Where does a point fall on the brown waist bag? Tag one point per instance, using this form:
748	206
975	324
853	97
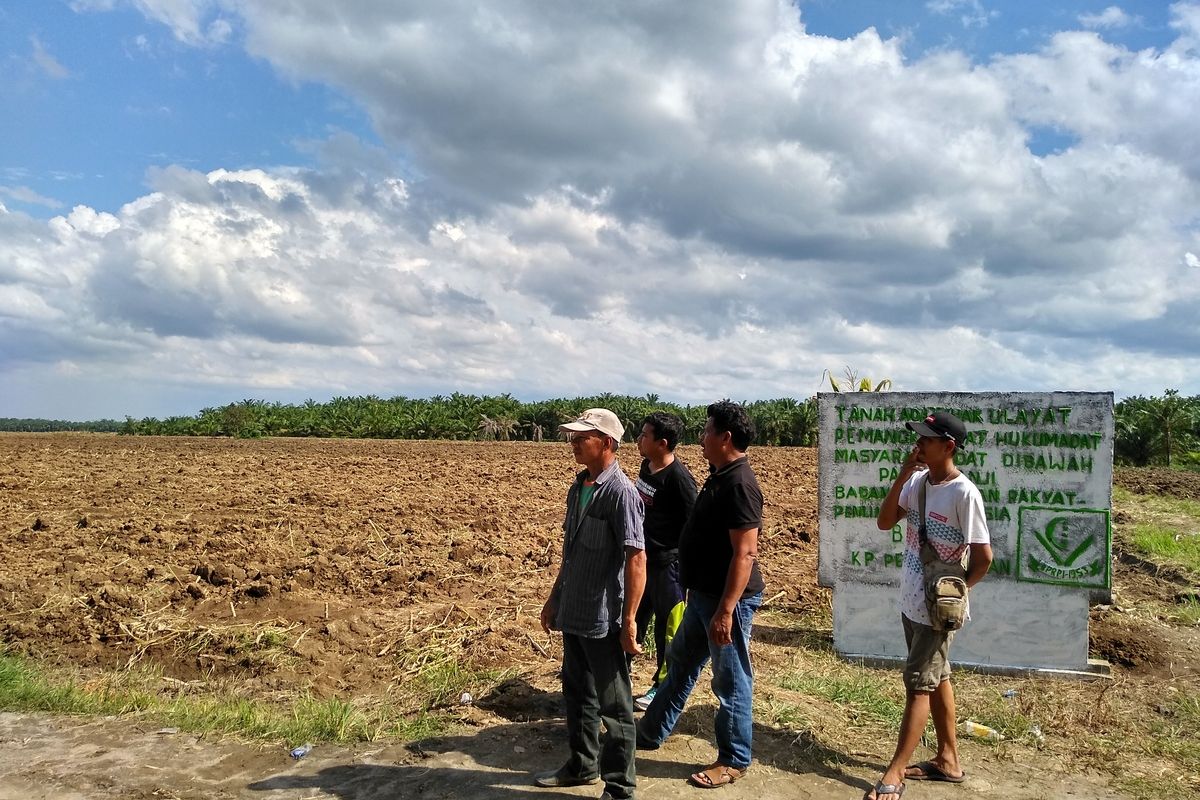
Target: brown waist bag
945	581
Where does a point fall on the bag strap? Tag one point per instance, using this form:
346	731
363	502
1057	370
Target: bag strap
922	534
928	552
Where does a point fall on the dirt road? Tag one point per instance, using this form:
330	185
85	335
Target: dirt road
55	758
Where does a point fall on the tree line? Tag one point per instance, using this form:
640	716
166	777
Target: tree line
783	421
1148	430
23	425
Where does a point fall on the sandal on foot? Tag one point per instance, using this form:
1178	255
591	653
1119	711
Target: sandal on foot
716	776
930	771
882	788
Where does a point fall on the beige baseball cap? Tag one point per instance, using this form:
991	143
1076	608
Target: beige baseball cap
597	419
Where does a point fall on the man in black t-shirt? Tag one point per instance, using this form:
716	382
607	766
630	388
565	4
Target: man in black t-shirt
718	559
668	491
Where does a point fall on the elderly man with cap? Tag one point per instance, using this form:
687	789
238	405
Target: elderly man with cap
594	603
954	524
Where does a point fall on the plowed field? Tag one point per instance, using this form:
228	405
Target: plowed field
407	572
343	567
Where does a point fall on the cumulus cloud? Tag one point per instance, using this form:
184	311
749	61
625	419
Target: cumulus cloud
704	200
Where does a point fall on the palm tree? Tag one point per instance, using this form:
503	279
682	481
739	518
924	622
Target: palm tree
1174	417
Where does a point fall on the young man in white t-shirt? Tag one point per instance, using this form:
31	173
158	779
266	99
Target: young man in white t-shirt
954	520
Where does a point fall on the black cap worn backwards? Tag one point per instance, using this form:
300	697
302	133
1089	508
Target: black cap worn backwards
941	425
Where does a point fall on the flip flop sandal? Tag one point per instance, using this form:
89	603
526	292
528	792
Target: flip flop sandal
933	773
885	788
715	776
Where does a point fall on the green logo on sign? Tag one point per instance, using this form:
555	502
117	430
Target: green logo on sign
1064	546
1057	542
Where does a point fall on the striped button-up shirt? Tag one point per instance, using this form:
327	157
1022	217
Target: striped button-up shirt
590	589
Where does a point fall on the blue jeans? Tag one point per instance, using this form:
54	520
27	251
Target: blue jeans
732	682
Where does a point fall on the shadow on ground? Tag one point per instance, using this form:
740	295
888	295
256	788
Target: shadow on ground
809	638
499	761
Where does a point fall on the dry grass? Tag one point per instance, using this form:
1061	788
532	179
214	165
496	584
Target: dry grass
1136	729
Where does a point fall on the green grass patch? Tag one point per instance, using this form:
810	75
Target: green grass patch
26	687
1168	544
23	687
1185	613
1165	530
861	694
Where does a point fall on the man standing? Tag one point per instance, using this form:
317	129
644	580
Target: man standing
954	521
594	602
718	559
669	492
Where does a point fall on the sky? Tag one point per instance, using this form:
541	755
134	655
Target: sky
203	201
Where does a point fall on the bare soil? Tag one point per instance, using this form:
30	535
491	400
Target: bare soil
118	550
1157	480
324	565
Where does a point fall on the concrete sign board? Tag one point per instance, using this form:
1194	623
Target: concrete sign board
1043	464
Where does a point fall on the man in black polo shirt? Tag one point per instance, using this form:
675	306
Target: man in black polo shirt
668	491
718	559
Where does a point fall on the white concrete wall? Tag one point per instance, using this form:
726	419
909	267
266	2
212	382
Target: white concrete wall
1043	455
1002	632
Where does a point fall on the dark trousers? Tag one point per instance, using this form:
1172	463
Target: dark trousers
596	689
663	600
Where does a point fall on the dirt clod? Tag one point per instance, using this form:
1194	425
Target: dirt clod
218	577
1122	643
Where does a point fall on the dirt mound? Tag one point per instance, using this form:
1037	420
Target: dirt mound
1158	480
344	566
1123	642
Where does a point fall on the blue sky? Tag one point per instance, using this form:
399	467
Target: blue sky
131	96
205	200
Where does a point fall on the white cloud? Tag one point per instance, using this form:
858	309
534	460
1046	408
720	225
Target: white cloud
1110	18
1108	95
568	203
1191	259
185	18
23	194
971	13
1185	18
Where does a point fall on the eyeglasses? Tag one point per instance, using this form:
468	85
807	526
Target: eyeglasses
579	436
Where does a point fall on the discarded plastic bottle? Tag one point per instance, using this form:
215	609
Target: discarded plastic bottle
977	731
301	751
